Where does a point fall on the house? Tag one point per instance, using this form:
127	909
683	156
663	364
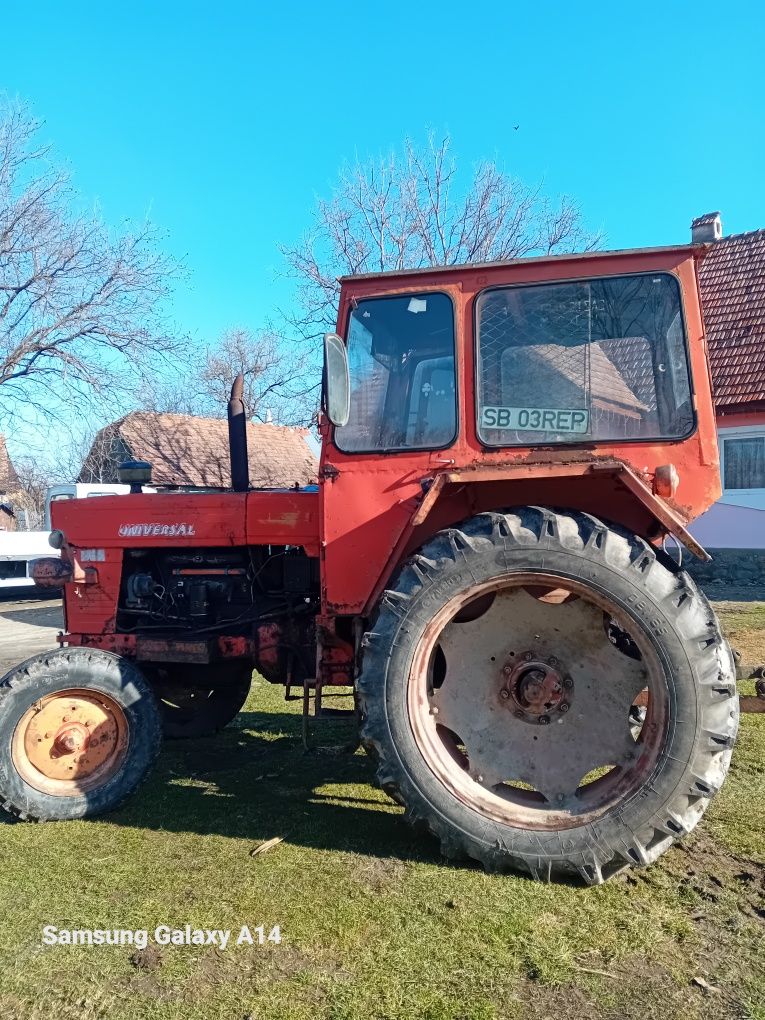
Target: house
7	517
190	452
732	282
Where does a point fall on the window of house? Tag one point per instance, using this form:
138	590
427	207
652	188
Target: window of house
744	462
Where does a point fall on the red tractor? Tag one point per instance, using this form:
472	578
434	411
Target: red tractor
507	449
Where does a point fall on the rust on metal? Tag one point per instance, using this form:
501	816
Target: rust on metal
429	499
172	650
570	766
536	688
51	572
662	513
69	742
571	468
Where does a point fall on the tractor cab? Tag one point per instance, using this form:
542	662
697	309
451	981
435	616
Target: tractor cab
587	372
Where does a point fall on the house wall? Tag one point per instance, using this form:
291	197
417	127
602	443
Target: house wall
741	426
738	520
733	530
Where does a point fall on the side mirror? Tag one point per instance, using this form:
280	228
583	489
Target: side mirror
337	383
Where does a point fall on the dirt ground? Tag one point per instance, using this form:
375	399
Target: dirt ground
27	626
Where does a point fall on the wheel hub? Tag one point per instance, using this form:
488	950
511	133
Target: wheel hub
535	688
68	741
531	735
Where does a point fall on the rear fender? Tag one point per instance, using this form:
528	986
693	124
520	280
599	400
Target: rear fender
608	489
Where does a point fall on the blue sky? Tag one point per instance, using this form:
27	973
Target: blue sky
224	121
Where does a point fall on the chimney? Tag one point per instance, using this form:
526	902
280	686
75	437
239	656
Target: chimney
706	228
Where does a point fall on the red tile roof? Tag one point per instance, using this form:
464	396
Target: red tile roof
190	451
732	278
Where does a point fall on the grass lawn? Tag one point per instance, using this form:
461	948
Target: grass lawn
375	923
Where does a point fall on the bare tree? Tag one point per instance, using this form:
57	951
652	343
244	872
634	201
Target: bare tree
413	210
279	383
34	479
80	307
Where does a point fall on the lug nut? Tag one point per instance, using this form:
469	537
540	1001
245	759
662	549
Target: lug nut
507	670
568	683
527	656
434	710
553	661
504	694
563	707
519	714
544	719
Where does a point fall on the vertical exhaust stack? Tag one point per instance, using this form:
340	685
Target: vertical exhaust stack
237	438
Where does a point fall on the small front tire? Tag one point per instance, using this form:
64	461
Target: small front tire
79	731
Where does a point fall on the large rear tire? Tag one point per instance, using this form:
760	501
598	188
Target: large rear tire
547	693
79	731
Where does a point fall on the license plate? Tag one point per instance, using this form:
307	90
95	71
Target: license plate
536	419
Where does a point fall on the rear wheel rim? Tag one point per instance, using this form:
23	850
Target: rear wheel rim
522	700
70	742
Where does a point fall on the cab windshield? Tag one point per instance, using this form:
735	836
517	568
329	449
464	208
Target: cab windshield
584	361
401	361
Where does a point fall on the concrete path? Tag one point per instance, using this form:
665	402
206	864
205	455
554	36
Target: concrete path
27	626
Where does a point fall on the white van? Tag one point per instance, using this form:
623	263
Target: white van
19	548
17	551
84	490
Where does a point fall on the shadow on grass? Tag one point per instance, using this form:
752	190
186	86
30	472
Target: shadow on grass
255	781
733	593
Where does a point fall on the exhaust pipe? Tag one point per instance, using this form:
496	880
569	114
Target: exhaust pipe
237	438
